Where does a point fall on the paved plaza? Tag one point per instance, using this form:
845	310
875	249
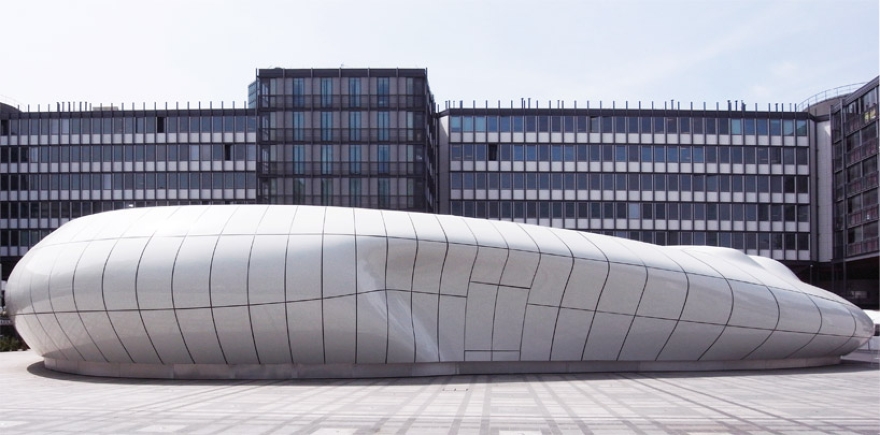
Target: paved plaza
841	399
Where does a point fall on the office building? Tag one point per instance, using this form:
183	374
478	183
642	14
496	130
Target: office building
761	180
855	212
346	137
61	164
738	179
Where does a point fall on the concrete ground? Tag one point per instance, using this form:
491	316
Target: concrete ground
842	399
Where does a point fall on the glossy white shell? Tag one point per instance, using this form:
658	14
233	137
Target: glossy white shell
193	289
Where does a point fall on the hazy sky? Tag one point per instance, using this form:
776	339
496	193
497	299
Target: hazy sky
760	51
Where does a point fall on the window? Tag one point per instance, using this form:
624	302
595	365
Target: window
354	191
298	89
326	159
354	126
384	192
354	159
504	124
801	129
659	125
468	124
383	124
327	126
531	125
632	124
543	124
775	127
384	158
327	191
354	92
455	124
298	123
299	159
685	125
383	85
493	152
698	125
492	123
736	126
749	126
326	92
480	124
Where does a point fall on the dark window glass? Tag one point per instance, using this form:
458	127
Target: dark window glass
659	154
698	155
684	154
544	153
620	153
761	126
504	124
672	154
685	125
518	126
802	156
711	154
619	124
632	124
607	153
775	127
736	154
659	125
582	124
492	123
595	153
647	154
556	153
686	211
723	126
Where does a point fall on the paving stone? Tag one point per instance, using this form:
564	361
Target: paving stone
842	399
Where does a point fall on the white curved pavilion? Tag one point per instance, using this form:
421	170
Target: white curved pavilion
260	291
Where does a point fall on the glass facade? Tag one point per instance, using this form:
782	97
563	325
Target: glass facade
57	166
754	181
856	213
733	179
362	138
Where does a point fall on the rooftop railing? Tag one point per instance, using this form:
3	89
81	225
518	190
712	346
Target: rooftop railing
828	94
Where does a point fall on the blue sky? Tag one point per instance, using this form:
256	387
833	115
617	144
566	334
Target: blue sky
758	51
